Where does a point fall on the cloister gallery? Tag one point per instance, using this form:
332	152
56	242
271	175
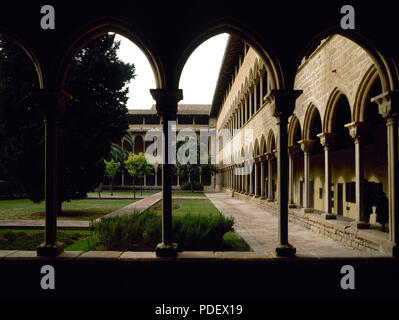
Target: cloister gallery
321	101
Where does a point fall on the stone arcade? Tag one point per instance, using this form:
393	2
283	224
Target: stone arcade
299	86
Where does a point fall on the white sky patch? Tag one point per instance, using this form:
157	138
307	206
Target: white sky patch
198	79
201	71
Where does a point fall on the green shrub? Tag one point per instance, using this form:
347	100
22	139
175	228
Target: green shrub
196	185
142	231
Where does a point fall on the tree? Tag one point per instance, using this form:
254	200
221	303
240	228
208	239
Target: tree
202	164
137	166
111	169
95	117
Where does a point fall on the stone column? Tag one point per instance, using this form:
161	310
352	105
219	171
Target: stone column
357	131
327	140
270	158
256	195
261	93
262	179
251	176
255	84
283	103
250	102
242	178
52	104
166	105
292	152
246	189
306	146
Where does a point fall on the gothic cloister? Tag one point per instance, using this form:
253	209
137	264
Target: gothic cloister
322	103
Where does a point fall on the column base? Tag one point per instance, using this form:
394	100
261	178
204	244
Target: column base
166	250
307	210
50	250
246	193
362	225
270	200
329	216
292	205
262	198
256	196
285	250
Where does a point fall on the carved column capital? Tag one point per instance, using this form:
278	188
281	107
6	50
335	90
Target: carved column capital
307	145
358	130
283	102
166	101
270	156
327	139
388	104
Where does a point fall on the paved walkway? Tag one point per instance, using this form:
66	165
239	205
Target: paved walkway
138	206
259	228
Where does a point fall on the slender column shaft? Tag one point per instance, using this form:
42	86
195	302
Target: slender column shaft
327	181
393	180
291	180
242	179
166	105
166	190
251	176
270	178
284	102
256	180
306	179
282	177
51	180
262	180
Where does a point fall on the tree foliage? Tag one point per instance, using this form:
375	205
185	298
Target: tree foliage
111	169
137	166
95	117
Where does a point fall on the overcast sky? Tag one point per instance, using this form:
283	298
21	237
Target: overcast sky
198	79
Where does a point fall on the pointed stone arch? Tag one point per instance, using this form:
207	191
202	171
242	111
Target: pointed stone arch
263	145
362	94
331	109
311	114
256	148
271	141
293	128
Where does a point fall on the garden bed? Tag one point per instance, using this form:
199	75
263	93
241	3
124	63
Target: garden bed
28	239
197	225
84	209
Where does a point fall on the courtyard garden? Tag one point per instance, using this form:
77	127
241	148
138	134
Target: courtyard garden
197	225
83	209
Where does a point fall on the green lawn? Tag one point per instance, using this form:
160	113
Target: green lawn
188	194
28	239
84	209
189	206
122	193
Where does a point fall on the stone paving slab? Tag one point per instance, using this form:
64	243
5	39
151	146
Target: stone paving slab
100	255
263	226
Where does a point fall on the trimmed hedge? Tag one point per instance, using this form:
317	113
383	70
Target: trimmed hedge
142	231
196	185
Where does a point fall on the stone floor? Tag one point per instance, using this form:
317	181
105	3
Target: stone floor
260	227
